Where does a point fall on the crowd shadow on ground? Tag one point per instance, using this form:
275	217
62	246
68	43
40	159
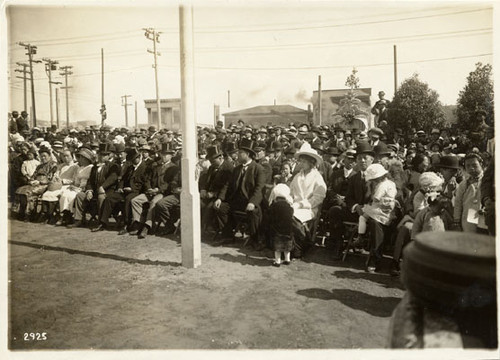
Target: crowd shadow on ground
95	254
373	305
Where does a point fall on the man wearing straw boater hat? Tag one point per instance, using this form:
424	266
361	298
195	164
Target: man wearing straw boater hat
216	186
244	195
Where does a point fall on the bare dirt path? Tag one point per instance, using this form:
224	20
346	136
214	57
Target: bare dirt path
104	291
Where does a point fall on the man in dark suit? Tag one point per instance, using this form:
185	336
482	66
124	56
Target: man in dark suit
355	198
102	182
163	173
244	194
216	186
132	183
339	180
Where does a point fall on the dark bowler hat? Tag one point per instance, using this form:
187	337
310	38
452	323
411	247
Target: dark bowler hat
318	147
316	129
104	148
275	146
230	148
449	162
119	148
363	147
291	150
247	145
382	149
213	152
333	150
167	148
132	153
259	146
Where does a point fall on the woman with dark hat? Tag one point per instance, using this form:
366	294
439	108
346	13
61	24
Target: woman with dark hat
39	182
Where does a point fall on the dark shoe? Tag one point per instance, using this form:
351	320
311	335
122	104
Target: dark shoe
77	223
142	234
286	262
275	264
99	227
122	231
59	222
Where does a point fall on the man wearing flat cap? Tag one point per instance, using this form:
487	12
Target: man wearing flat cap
216	186
374	135
244	194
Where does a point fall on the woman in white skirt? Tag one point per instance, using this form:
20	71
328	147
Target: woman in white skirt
62	179
85	159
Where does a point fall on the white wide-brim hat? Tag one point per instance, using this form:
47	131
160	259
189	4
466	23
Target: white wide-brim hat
375	171
306	150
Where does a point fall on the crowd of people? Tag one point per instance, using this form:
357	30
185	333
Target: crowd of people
280	182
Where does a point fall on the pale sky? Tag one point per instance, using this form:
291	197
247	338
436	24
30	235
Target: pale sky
260	53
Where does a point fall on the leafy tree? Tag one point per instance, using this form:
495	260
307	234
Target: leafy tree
415	105
476	97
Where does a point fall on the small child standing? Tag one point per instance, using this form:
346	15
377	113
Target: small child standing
29	166
280	226
434	217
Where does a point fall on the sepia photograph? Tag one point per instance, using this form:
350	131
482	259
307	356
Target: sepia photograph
224	177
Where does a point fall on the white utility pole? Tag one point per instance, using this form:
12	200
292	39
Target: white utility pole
190	196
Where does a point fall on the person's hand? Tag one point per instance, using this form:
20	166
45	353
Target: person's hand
120	191
127	189
217	203
250	207
210	195
34	182
489	206
359	210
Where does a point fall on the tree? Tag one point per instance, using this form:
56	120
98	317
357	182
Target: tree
415	105
349	113
476	97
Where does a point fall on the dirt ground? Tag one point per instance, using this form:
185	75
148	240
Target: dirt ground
104	291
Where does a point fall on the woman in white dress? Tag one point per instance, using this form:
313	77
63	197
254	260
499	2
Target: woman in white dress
85	158
308	190
62	179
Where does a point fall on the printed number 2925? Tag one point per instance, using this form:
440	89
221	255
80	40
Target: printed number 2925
35	336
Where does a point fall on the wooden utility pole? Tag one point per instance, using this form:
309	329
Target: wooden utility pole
229	98
190	196
135	114
319	101
154	35
51	65
57	108
25	78
126	105
65	73
32	51
395	70
103	105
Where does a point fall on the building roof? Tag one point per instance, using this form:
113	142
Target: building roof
153	101
268	110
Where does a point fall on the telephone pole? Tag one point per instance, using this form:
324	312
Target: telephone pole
51	65
65	73
103	106
24	77
154	35
57	108
395	69
136	115
31	51
126	105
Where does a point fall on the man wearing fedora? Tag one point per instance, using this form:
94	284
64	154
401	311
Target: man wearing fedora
163	173
355	198
132	183
244	194
216	186
339	179
102	182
